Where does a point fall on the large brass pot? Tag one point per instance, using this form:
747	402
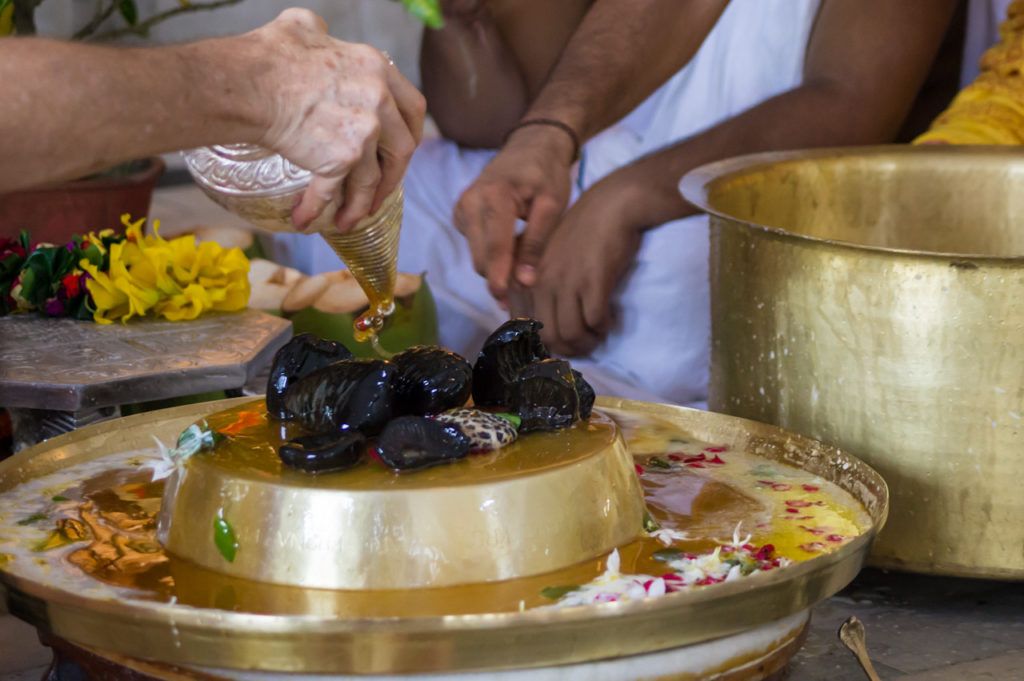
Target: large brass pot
874	298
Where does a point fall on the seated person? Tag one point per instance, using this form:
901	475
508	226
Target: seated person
505	219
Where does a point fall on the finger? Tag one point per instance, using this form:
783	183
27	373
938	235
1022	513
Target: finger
410	102
545	212
544	312
476	239
520	300
573	337
394	151
487	219
596	309
496	218
318	195
360	189
469	227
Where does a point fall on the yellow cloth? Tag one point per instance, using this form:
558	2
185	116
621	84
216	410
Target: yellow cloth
991	109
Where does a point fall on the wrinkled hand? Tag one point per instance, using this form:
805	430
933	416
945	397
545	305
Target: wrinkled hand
585	257
340	110
529	179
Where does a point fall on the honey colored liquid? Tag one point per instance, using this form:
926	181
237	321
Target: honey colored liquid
370	250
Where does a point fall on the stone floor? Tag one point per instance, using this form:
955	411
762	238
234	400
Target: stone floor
918	629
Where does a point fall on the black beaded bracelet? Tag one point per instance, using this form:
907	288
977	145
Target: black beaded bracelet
553	123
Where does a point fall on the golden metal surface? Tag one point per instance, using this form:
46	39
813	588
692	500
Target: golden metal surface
574	496
177	634
872	298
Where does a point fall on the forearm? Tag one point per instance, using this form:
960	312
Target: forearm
473	85
621	53
809	116
72	109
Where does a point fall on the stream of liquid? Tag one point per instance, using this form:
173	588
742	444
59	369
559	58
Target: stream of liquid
91	528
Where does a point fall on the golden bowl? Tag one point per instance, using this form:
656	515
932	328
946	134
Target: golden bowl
547	501
871	298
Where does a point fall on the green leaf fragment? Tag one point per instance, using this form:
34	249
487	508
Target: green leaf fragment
195	438
650	524
427	11
224	539
658	462
60	498
763	471
667	555
511	418
129	11
35	517
556	592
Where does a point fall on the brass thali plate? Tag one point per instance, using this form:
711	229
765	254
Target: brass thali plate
207	637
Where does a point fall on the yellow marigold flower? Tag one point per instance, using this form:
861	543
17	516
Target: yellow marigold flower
188	304
111	302
177	279
97	239
130	274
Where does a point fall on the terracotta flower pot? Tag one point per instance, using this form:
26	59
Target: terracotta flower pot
54	213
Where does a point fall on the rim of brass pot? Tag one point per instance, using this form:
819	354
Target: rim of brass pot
700	186
532	638
917	411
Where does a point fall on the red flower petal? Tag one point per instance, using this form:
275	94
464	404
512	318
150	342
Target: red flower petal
695	459
716	449
810	488
835	537
797	503
813	547
674	457
717	459
639	469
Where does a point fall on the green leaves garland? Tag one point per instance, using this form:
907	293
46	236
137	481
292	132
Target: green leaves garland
47	278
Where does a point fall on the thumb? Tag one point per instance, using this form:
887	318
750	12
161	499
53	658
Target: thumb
540	223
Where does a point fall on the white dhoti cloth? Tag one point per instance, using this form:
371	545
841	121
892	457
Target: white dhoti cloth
659	348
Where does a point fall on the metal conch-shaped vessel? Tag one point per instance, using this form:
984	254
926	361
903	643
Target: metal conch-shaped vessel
263	188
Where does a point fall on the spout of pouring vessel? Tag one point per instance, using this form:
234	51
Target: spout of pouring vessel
370	251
